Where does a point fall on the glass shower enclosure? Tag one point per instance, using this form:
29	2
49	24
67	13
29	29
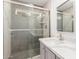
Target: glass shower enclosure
26	26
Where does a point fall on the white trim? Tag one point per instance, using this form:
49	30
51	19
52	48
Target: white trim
26	5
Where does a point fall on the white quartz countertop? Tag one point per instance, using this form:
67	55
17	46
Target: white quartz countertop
63	49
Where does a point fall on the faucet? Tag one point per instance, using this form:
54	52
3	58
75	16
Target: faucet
60	36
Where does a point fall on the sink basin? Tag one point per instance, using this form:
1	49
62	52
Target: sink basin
59	44
62	44
65	45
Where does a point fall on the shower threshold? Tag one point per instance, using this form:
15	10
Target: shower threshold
35	57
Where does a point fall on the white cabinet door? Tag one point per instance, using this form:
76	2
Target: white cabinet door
57	57
49	54
45	53
42	51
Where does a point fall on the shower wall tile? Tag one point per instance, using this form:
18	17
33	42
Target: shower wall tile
20	40
23	40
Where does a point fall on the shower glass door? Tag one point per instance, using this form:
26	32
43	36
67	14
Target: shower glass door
27	25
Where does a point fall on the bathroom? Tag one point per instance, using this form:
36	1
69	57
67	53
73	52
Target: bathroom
39	29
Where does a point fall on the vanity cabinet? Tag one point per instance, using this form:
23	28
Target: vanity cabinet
45	53
42	51
57	57
49	54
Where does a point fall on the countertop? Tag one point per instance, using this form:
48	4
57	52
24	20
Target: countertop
63	49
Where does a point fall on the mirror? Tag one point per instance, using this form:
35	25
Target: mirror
65	17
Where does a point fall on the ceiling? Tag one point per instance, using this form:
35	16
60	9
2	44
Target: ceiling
34	2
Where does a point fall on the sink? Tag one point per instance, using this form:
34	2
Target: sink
55	43
65	45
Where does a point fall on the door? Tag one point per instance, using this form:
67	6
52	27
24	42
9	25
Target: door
57	57
26	26
49	54
42	51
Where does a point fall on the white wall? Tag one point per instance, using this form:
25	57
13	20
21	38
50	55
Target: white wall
70	36
51	5
6	31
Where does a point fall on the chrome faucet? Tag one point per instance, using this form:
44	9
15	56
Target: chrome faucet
61	37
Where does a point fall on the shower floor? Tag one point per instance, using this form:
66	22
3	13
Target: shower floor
24	55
